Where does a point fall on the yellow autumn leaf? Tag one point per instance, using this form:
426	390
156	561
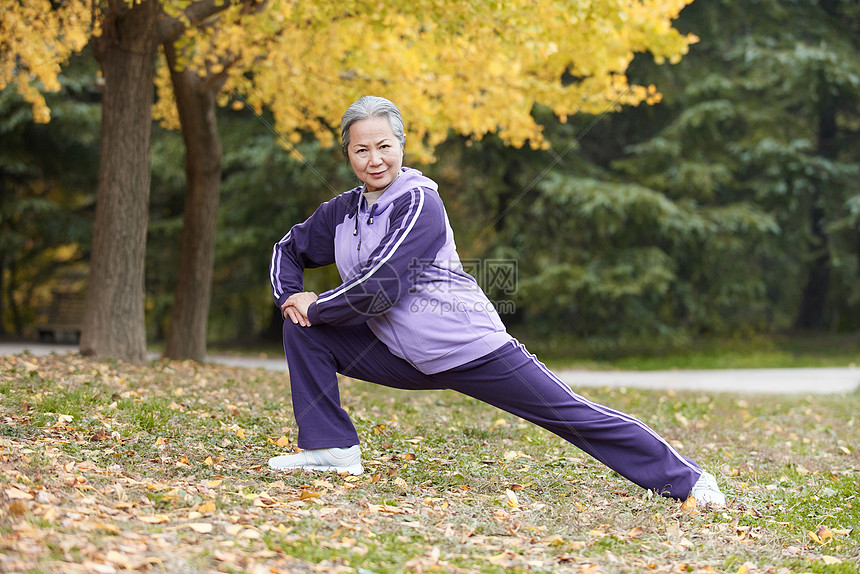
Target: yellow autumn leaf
689	505
207	507
512	499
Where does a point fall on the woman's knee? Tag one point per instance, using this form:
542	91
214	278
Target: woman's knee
316	336
295	335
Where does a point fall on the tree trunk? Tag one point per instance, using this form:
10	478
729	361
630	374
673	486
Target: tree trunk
2	294
813	304
113	323
195	100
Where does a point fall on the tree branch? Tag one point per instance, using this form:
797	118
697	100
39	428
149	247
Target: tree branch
170	28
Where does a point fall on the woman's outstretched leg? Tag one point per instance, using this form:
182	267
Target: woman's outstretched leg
512	379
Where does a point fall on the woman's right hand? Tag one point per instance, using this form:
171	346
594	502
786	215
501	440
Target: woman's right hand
295	308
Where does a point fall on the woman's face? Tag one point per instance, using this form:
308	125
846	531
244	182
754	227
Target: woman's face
375	154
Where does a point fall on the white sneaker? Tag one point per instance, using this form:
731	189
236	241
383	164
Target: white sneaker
706	491
337	459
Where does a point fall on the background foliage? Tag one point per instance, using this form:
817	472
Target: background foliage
731	207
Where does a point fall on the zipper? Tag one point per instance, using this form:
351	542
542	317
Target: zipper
369	222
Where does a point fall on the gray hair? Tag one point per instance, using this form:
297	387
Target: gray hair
371	107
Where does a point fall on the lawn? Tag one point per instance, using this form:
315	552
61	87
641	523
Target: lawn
789	350
109	467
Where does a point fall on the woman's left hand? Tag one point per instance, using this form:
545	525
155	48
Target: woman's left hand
296	307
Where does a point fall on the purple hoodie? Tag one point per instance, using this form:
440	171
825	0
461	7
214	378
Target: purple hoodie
401	274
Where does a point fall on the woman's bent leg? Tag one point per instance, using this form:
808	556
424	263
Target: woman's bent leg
315	356
514	380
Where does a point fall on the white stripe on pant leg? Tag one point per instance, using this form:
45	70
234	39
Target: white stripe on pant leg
602	409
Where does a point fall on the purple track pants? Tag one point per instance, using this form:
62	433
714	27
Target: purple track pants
509	378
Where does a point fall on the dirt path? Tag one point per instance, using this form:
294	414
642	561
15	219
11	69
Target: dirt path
776	381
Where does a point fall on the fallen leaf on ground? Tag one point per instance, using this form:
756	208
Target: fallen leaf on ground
689	505
815	537
824	533
154	519
636	532
16	494
200	527
207	507
17	508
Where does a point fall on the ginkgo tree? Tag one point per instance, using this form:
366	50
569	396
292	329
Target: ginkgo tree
36	37
471	67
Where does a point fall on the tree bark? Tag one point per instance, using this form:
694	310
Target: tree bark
113	323
2	293
195	100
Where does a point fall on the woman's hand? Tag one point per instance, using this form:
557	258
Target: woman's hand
295	308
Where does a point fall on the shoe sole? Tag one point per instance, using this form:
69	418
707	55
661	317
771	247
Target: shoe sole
318	468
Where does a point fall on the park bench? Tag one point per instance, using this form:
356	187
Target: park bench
65	316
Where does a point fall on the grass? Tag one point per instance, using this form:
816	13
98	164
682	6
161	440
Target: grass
110	467
791	350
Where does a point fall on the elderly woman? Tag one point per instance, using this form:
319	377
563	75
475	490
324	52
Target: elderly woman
407	316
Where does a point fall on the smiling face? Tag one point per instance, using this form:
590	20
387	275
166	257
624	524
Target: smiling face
375	153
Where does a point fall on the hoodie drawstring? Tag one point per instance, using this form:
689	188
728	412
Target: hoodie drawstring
369	222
